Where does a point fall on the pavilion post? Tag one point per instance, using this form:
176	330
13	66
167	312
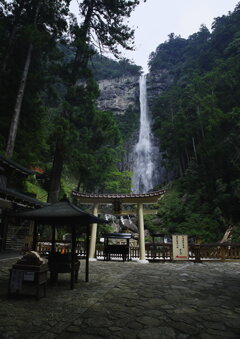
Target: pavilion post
4	233
73	256
141	232
87	255
53	238
53	276
92	249
35	235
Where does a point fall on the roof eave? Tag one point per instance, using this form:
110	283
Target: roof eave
145	198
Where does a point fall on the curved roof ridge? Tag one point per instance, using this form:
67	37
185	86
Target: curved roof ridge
132	198
118	195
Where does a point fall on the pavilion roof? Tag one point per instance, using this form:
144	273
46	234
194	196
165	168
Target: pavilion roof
61	213
133	198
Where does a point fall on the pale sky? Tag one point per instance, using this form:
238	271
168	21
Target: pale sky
154	20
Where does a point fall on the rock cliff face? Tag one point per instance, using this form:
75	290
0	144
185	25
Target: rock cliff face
157	82
118	94
121	96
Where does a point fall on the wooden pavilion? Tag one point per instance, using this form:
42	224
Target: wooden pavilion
118	200
63	213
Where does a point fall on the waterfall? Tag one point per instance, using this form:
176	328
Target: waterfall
146	153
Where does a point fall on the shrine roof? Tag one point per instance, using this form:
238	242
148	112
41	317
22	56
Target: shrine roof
10	164
9	196
133	198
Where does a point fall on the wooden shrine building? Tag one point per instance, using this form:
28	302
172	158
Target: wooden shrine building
12	176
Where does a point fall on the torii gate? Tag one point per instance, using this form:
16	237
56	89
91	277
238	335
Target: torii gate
117	200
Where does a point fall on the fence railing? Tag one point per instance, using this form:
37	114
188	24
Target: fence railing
155	251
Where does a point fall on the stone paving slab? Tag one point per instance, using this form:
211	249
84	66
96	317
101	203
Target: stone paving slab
129	300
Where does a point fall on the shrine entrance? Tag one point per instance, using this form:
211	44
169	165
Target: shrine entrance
118	201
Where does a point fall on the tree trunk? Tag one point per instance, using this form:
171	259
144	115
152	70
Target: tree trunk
81	56
80	60
180	167
194	148
56	172
187	155
227	235
200	120
18	105
20	94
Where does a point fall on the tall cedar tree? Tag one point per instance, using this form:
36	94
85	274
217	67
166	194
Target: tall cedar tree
103	24
30	20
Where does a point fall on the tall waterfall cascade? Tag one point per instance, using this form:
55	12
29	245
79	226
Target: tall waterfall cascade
146	153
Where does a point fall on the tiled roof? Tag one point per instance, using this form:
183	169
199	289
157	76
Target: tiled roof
124	198
19	198
9	163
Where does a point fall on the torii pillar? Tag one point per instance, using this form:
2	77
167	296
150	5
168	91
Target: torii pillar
142	258
92	248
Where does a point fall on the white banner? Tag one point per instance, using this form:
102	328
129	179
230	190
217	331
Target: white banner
180	247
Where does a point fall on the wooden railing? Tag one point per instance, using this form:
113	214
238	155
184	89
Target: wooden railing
44	247
156	251
226	251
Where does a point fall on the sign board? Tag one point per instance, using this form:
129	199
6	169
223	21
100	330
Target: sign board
180	247
28	276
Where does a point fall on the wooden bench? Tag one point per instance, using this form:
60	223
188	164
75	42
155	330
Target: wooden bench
61	263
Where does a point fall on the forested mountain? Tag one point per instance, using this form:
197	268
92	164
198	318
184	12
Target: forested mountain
106	68
50	117
197	120
48	90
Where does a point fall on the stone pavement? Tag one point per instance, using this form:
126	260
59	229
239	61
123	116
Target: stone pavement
130	300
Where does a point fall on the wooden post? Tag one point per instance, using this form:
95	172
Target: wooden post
53	276
92	249
53	239
4	232
223	252
35	235
87	255
73	256
197	250
141	233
